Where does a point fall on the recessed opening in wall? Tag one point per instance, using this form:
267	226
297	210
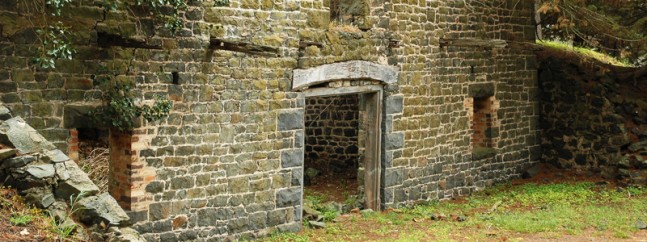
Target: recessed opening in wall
483	127
90	148
348	11
333	154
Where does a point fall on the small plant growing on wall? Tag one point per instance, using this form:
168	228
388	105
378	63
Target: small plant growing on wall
120	109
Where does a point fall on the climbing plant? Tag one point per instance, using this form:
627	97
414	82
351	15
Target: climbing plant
54	37
121	109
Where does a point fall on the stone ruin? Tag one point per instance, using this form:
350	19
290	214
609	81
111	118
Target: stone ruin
50	180
431	78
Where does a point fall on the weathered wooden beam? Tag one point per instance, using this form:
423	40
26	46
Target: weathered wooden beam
106	40
487	43
243	47
304	44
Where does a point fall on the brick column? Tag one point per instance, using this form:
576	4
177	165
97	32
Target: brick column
129	174
73	145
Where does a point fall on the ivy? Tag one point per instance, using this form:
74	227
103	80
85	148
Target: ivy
55	45
120	109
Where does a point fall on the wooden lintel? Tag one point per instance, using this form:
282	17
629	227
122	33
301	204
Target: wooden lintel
487	43
304	44
243	47
106	40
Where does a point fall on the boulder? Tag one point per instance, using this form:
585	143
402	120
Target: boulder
102	208
317	225
125	235
19	134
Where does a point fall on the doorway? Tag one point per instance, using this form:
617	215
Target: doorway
343	145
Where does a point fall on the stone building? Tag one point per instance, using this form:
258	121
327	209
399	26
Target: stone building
437	102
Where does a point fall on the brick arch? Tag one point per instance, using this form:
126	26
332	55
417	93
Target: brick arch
349	70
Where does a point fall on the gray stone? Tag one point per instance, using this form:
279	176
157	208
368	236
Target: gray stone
394	141
126	235
366	212
41	171
102	208
5	114
310	213
290	120
344	70
23	137
316	225
288	197
19	161
41	197
394	104
55	156
79	183
7	153
61	171
641	224
291	158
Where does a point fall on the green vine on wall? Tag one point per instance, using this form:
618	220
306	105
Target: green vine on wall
121	109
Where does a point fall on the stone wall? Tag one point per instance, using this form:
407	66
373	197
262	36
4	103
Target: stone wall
50	180
228	161
594	118
332	132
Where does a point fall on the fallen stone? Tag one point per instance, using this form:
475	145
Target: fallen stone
641	224
41	197
78	183
5	114
102	208
7	153
309	212
532	171
19	134
366	212
41	171
126	235
317	225
438	217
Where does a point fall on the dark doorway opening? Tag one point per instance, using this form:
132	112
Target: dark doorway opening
333	156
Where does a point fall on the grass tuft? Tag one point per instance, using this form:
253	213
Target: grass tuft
588	52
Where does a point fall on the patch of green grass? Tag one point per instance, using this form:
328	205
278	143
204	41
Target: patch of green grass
21	219
556	44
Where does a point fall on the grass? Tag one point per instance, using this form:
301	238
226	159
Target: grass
20	222
588	52
505	212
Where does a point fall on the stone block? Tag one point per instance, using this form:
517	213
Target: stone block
292	158
17	133
394	141
481	90
4	113
76	116
102	208
288	197
79	183
290	120
394	104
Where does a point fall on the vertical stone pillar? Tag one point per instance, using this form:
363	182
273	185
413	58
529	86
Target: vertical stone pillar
73	145
129	173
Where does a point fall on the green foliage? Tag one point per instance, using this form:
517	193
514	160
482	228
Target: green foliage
585	51
21	219
121	109
57	5
59	226
54	45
